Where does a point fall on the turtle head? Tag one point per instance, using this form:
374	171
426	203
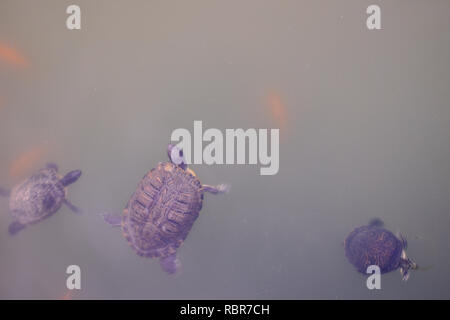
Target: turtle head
176	156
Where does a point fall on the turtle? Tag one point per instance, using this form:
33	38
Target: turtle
39	196
162	210
372	244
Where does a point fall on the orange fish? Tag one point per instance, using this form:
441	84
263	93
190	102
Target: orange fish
12	56
27	161
68	295
278	111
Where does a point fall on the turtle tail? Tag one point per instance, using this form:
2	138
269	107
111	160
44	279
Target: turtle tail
170	264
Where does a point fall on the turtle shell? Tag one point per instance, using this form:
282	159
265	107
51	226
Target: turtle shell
37	197
161	212
371	245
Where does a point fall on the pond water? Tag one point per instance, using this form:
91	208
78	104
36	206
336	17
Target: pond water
364	120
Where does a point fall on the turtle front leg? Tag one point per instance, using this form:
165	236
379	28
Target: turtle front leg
4	192
72	207
112	219
71	177
221	188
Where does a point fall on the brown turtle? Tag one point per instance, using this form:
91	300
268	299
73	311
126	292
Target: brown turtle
374	245
39	196
162	210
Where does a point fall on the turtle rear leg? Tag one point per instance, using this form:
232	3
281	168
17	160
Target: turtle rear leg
72	206
15	227
221	188
112	219
171	264
4	192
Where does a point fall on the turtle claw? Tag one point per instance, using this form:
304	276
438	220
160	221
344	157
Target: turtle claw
221	188
405	274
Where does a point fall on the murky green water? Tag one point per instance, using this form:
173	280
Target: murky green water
367	134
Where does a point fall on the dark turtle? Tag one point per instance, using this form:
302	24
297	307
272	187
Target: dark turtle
162	210
39	196
374	245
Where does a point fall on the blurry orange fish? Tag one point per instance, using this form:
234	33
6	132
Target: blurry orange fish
278	111
12	56
68	295
28	161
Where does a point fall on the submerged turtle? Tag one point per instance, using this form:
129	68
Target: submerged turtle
374	245
39	196
161	212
